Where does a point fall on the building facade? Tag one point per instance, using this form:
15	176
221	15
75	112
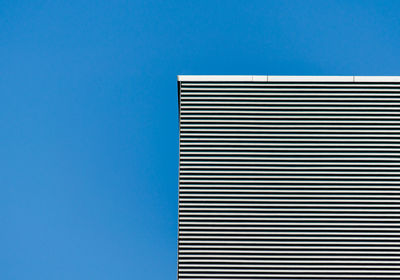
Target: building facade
289	177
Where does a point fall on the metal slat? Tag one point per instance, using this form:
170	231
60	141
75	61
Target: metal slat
309	90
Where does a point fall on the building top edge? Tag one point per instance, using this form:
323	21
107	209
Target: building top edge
268	78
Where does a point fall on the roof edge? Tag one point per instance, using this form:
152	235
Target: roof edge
268	78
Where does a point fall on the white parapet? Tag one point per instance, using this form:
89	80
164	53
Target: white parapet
268	78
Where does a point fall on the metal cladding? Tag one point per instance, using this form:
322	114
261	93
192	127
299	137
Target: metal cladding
285	177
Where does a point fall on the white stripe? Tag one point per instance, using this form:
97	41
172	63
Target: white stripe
287	262
287	130
284	242
276	192
288	109
310	103
284	113
291	238
294	85
284	98
293	270
343	173
285	256
294	135
289	196
287	91
325	208
285	223
273	202
271	227
291	181
289	266
289	199
283	252
236	176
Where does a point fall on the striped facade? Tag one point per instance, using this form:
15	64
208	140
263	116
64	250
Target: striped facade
285	177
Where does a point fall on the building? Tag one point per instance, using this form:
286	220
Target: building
289	177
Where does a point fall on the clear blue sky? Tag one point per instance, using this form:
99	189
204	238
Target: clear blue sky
89	119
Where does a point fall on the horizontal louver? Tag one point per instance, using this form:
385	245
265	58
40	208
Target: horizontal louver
289	180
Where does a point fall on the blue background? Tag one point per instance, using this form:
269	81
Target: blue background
89	117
